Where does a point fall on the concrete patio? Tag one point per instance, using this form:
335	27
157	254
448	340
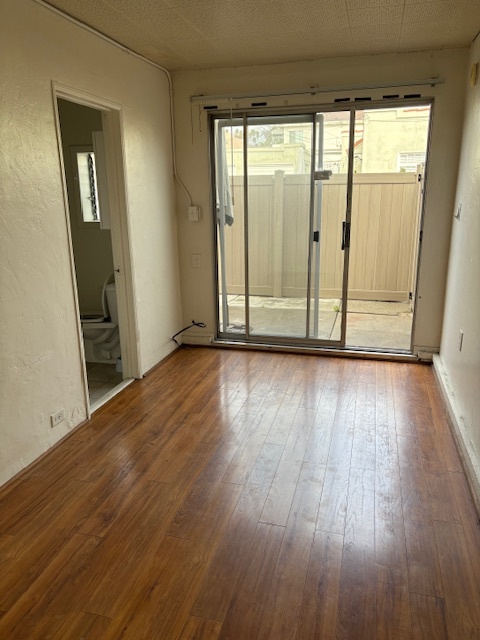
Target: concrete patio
370	324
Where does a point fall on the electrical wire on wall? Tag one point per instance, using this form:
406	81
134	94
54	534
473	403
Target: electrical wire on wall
172	127
201	325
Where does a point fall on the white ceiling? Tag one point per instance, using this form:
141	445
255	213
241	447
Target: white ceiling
193	34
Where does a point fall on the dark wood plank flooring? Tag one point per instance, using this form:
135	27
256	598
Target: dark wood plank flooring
248	495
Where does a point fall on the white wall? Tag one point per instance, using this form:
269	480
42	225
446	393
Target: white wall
462	307
193	160
40	364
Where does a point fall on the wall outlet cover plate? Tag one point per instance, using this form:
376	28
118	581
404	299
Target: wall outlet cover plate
193	213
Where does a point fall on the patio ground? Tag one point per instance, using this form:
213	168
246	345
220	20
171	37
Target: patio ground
370	324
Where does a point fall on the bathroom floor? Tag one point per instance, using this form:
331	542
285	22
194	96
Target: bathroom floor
102	378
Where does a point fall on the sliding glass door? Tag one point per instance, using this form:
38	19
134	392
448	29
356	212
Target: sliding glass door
282	213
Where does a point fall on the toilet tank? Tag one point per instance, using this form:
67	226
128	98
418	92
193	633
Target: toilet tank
111	294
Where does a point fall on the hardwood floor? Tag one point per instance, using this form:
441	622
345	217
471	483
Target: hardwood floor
248	495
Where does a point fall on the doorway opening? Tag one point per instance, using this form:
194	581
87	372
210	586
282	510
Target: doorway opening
318	217
98	264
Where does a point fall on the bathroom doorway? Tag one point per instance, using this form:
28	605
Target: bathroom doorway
98	258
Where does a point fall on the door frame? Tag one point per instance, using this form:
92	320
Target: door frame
114	152
341	105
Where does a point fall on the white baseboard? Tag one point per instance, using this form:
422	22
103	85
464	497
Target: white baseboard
466	449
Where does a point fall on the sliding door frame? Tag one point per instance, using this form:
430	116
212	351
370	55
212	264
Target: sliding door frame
265	112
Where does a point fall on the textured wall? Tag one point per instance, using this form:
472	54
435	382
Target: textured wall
462	307
193	155
40	364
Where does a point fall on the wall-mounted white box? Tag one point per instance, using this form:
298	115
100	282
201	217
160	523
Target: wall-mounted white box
193	213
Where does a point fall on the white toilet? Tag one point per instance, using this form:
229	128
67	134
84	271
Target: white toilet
100	332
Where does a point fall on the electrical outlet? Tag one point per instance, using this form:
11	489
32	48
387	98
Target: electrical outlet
196	260
460	340
58	417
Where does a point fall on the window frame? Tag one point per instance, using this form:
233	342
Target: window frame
77	196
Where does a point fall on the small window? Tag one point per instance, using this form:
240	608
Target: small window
295	137
87	185
277	136
408	162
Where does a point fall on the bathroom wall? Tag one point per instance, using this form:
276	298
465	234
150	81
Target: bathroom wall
40	358
192	141
459	364
92	246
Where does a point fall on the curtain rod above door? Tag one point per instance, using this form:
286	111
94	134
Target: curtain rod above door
432	82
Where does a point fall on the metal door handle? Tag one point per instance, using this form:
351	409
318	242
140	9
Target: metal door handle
345	235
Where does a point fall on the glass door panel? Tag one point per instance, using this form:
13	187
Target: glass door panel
282	214
390	155
230	217
279	162
331	177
